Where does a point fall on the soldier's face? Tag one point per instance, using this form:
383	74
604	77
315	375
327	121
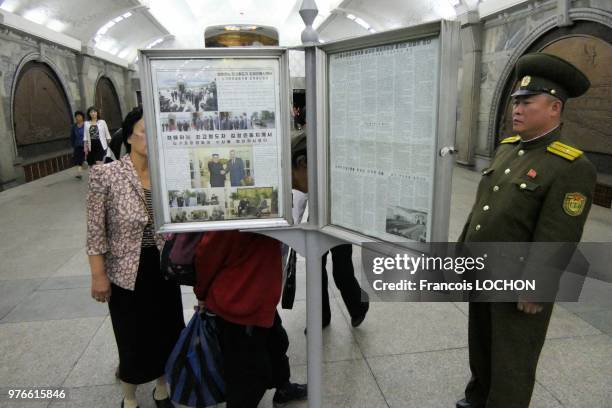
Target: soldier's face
535	114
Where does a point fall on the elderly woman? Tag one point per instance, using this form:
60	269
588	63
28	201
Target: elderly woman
96	137
123	249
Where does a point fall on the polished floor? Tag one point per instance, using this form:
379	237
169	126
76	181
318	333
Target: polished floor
404	355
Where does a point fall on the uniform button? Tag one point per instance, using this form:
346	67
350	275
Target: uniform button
478	227
486	208
522	259
523	186
521	152
507	171
496	188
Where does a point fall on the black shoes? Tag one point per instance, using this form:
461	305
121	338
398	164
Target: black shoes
165	403
357	320
463	403
289	392
122	404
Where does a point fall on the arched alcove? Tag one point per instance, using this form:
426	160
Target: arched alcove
588	119
41	111
107	101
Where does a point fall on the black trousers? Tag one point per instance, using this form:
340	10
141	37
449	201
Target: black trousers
504	345
254	360
344	277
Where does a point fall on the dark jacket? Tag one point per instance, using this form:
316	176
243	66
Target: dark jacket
76	136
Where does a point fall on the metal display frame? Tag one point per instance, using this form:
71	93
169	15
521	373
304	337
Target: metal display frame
318	235
280	54
448	34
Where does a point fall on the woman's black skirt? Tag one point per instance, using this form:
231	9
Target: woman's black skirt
147	321
97	153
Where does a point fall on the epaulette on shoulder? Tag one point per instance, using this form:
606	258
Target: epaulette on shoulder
566	151
511	139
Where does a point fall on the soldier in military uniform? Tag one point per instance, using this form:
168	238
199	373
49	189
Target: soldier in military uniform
538	188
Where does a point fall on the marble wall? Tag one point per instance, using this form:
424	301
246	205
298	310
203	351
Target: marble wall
506	36
77	72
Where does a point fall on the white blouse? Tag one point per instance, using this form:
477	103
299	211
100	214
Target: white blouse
103	131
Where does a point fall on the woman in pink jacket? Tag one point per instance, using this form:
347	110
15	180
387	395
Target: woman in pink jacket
123	248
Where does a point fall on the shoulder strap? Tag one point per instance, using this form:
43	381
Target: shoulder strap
566	151
511	139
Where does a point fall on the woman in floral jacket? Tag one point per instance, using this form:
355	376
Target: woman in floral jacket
146	310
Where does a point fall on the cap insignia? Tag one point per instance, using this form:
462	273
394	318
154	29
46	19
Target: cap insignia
526	80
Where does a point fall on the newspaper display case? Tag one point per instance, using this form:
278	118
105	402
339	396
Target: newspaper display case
386	119
217	124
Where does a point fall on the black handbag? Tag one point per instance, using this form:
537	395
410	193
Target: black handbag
177	258
289	289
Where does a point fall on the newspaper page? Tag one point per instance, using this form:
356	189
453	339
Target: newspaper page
383	112
218	131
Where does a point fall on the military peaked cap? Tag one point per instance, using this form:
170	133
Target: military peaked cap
545	73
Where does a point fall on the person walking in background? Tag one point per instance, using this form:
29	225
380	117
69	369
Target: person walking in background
146	310
96	137
356	300
76	141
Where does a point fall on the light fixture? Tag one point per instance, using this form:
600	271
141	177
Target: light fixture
9	5
56	25
362	23
232	28
104	29
351	17
372	30
154	43
124	53
36	15
106	44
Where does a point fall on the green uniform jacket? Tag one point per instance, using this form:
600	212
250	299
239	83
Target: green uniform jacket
538	191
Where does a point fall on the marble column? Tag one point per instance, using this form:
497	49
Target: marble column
469	97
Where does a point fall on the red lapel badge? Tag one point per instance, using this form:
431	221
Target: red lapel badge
532	173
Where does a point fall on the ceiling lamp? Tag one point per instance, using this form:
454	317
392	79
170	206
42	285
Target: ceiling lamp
240	35
104	29
36	15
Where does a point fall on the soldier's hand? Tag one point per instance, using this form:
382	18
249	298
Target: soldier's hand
529	307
